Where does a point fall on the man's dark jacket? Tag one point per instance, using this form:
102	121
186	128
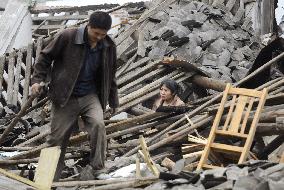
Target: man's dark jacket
67	53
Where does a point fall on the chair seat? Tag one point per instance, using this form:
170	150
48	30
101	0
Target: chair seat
228	133
226	147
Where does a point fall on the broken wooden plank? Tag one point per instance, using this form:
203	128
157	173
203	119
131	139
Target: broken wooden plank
140	80
10	78
100	182
17	78
138	169
47	165
156	124
2	64
138	72
27	73
132	121
168	163
138	63
35	138
163	132
122	68
148	88
128	42
60	18
29	153
47	27
147	158
31	160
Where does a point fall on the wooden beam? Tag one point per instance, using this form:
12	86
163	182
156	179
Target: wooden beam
146	155
45	9
100	182
46	27
60	18
132	121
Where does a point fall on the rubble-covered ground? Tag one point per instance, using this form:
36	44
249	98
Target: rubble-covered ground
216	43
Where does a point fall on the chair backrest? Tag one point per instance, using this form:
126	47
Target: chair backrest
240	107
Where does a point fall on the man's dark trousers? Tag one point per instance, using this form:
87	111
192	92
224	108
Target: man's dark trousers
64	119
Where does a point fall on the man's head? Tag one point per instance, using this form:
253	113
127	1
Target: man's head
98	26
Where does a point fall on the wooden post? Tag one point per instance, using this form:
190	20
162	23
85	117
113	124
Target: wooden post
27	73
17	78
267	17
2	64
10	78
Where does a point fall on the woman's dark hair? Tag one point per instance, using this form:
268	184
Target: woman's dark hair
101	20
172	85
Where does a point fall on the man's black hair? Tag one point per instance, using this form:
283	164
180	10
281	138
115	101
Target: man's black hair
100	19
172	85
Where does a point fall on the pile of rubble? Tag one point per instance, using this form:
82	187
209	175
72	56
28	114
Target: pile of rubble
207	46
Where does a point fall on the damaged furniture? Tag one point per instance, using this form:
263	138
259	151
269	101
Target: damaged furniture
235	124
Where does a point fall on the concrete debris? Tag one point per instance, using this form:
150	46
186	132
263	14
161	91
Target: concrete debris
199	45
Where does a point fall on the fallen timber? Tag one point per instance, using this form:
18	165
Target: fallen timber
161	130
190	115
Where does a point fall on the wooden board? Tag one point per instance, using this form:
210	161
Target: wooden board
47	165
147	157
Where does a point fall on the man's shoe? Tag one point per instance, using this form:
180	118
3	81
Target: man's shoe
101	174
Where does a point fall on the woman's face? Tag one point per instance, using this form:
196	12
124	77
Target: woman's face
166	93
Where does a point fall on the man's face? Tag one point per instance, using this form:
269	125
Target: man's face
96	34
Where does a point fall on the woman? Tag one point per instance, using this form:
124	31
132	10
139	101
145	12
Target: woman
168	95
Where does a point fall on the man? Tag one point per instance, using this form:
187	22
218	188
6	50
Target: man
83	66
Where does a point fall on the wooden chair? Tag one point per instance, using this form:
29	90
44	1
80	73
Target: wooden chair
235	125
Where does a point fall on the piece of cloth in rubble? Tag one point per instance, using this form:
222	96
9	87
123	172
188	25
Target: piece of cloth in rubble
175	102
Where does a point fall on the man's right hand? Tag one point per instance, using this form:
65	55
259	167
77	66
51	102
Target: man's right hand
36	88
